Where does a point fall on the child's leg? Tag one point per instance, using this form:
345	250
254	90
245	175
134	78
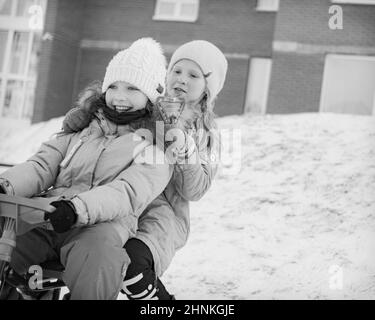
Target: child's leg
95	262
152	250
141	281
33	248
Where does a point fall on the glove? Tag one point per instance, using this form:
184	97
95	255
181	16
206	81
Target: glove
63	218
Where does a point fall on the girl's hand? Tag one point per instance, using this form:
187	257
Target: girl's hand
63	218
181	148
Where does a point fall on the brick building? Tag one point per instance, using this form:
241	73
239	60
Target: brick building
316	68
277	50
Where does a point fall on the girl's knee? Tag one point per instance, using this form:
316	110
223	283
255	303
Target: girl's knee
93	255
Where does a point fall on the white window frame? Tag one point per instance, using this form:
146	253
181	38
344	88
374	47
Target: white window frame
359	2
12	24
264	5
176	16
258	84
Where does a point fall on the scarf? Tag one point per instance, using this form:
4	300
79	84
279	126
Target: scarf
124	117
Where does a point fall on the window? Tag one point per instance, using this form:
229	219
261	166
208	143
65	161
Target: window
267	5
369	2
176	10
21	24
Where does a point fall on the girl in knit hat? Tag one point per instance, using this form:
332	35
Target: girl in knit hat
98	179
196	75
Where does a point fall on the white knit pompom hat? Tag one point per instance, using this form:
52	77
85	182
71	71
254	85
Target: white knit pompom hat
143	65
210	59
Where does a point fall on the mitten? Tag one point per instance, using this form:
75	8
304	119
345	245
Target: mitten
63	218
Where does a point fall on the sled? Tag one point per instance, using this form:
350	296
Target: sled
17	216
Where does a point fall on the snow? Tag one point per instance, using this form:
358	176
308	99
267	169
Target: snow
20	139
296	219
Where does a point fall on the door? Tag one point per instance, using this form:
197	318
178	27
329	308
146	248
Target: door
348	84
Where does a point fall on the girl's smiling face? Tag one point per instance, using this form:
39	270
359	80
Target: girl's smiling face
186	80
125	97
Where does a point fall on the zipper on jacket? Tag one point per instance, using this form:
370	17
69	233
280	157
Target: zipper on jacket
96	164
70	155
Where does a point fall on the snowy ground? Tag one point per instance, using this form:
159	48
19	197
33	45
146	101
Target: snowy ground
296	222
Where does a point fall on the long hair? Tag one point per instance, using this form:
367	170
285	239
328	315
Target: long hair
207	139
207	120
207	111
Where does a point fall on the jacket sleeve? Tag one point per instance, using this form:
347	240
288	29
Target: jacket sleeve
129	194
193	179
39	172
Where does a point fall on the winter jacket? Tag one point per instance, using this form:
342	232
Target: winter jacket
165	224
106	170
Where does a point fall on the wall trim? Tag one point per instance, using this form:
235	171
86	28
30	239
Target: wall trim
305	48
119	45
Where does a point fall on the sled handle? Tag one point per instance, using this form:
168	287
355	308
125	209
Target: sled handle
7	201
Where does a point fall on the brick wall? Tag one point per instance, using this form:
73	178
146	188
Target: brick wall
307	21
297	76
234	26
57	64
295	83
231	100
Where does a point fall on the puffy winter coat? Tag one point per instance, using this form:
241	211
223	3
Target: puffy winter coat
165	224
106	170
